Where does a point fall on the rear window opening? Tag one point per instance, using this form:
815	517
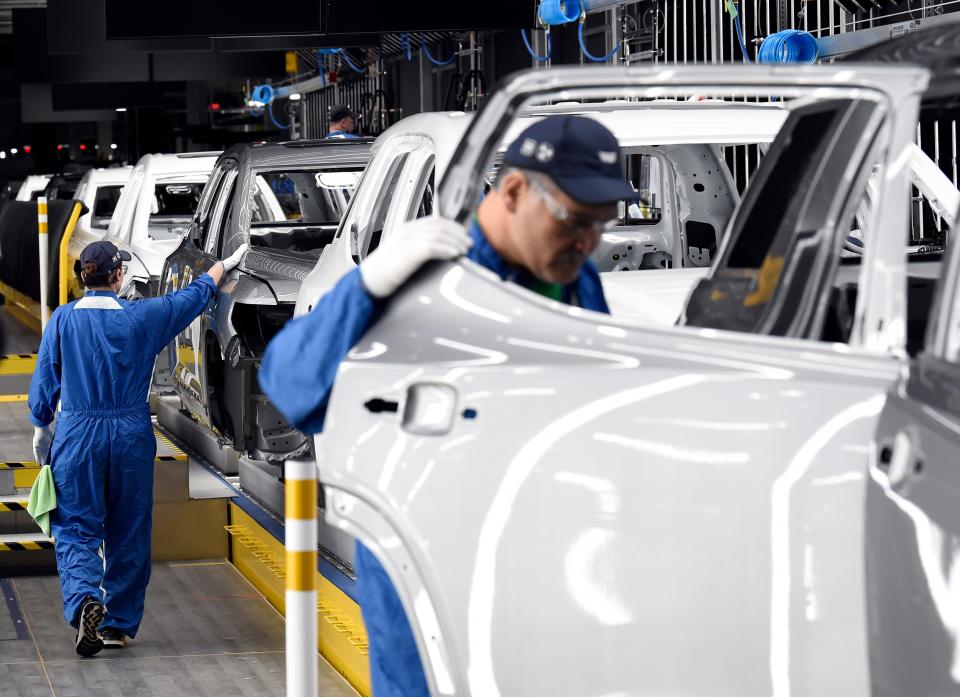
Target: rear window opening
104	204
172	208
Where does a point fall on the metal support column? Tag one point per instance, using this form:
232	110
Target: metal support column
716	19
300	527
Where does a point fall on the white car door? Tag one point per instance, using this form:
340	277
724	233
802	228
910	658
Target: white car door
546	486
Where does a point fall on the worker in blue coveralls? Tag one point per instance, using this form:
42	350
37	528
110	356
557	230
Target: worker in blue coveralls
342	122
96	359
557	191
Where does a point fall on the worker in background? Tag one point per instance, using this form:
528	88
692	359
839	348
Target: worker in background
96	359
342	122
557	191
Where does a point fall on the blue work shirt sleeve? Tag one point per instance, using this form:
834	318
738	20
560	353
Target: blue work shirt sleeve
301	362
168	315
45	384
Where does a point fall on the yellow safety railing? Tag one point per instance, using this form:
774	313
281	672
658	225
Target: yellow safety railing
78	210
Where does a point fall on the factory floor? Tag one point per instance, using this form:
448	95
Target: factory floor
206	631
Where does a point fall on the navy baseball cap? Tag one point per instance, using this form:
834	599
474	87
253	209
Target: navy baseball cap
338	112
579	154
104	256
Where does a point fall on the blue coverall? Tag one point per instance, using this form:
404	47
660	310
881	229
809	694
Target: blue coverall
340	134
96	357
327	334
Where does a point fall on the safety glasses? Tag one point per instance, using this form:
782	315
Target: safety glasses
573	222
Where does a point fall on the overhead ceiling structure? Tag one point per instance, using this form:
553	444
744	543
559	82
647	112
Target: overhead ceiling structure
8	6
147	71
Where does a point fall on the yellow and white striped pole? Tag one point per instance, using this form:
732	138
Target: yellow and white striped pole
300	532
44	260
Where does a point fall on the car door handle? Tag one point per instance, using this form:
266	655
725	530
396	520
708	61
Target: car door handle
378	405
900	460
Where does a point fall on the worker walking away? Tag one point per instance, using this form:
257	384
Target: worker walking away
342	122
96	358
557	191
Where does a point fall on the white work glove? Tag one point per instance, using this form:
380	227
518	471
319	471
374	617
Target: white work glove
42	439
232	261
409	247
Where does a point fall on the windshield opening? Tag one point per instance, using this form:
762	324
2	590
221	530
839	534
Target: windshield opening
300	210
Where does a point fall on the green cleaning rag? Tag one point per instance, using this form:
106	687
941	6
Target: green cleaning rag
43	499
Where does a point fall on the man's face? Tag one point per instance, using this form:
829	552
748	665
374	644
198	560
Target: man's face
553	234
348	124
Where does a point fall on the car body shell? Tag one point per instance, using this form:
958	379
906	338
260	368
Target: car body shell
91	227
686	137
570	503
32	186
130	225
213	363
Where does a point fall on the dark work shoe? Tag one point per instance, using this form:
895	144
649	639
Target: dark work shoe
88	637
113	638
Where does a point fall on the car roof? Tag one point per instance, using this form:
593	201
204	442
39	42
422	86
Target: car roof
160	164
106	176
302	152
664	121
669	121
936	48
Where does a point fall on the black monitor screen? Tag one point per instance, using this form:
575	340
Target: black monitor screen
145	19
351	17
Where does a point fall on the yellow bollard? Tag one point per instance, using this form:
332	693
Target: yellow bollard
44	250
78	209
300	537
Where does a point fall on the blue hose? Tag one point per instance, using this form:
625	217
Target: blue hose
426	52
743	44
533	54
405	45
353	66
554	12
343	54
790	46
589	56
262	93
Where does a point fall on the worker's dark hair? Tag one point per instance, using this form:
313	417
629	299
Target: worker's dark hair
89	279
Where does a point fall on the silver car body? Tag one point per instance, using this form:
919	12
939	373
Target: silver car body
213	363
572	504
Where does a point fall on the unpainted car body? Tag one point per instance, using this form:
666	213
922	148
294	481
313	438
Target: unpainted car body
32	186
676	160
285	200
99	191
573	504
154	212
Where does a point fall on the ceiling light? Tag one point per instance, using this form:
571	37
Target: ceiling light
13	151
294	97
113	146
3	154
121	109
